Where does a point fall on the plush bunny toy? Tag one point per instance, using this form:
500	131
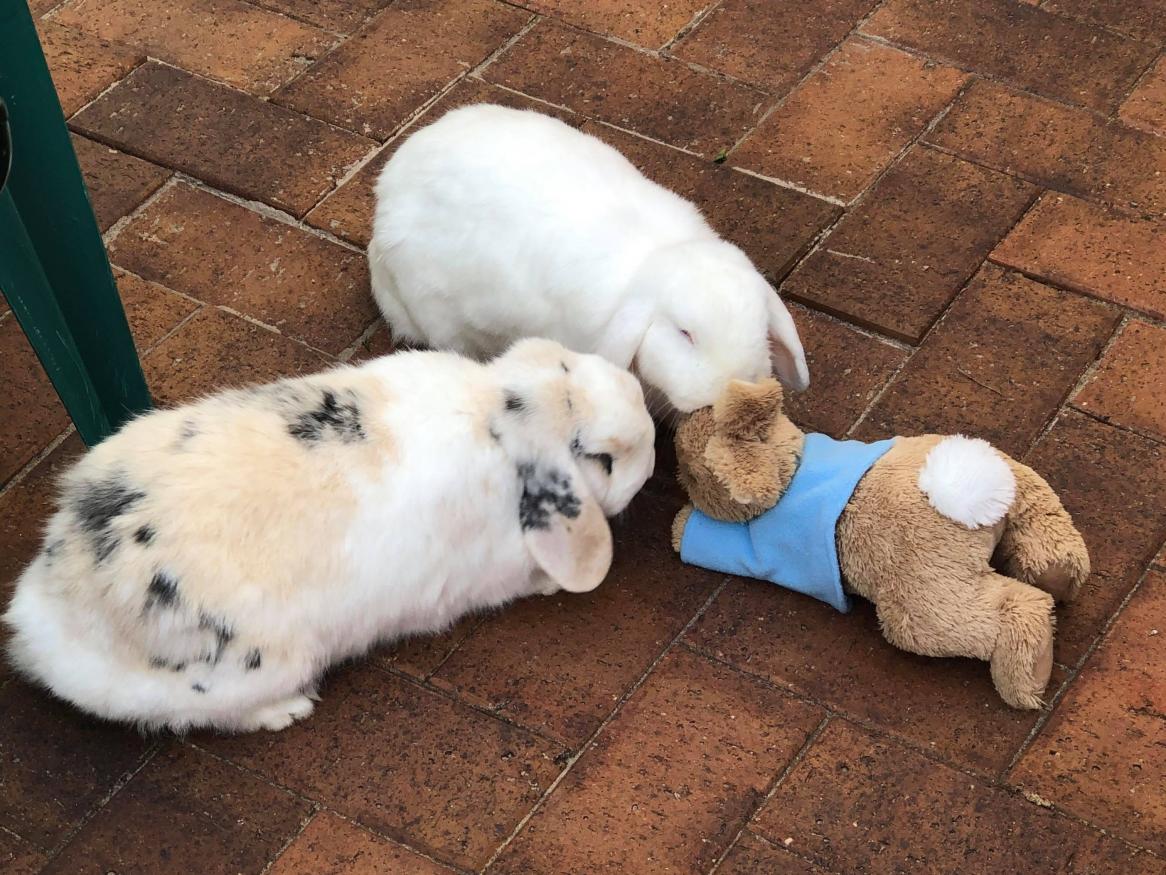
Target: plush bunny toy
908	523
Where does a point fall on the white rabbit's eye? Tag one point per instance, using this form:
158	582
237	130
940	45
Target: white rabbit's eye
687	336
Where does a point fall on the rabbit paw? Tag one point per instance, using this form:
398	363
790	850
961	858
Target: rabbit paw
281	715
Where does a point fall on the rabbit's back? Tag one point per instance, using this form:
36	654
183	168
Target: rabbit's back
494	223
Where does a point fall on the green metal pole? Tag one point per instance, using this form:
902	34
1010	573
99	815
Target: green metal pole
72	312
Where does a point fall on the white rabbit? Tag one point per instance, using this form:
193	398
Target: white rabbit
494	223
208	562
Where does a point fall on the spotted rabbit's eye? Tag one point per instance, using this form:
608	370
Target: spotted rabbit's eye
687	336
604	460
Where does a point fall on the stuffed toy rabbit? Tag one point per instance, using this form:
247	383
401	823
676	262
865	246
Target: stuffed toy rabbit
909	524
208	562
494	223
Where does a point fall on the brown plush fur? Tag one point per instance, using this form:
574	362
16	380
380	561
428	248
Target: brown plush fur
929	577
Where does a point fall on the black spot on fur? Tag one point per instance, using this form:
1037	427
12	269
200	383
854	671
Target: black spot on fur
159	662
223	635
252	660
331	417
53	548
545	492
97	505
563	365
144	535
603	459
162	591
515	403
187	432
198	688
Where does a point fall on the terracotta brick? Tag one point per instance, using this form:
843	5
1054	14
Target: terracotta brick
641	22
26	507
847	368
228	40
945	706
658	97
30	413
215	814
332	846
1026	46
770	44
307	287
1087	248
1128	387
116	182
348	211
1113	482
422	655
377	344
18	857
560	664
1066	149
670	781
399	60
1143	19
231	140
859	803
215	350
1100	756
849	120
152	310
1146	106
82	66
408	763
998	366
753	855
56	764
341	16
898	258
775	226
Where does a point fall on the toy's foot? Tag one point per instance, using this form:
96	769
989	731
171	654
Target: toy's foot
1022	674
678	525
1060	580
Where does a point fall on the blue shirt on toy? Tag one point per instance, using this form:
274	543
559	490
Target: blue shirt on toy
793	543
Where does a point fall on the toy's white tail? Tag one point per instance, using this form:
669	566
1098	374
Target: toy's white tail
968	481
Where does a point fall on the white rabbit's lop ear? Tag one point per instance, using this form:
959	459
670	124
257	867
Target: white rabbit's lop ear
785	347
563	526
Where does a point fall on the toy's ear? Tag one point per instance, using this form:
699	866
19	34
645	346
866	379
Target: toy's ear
563	525
740	453
747	411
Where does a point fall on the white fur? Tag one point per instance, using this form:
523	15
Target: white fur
494	223
309	551
966	480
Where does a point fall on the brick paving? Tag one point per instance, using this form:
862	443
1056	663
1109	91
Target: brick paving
964	202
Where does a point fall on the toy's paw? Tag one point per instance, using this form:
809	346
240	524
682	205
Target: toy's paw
678	525
1021	674
1062	580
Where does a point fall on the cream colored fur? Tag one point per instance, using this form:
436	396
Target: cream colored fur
208	562
927	570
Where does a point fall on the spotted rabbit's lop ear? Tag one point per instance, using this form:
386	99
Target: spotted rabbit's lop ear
563	526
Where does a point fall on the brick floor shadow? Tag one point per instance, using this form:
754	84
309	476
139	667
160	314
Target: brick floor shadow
965	203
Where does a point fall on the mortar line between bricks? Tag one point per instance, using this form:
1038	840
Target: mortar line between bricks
816	864
985	778
940	319
313	810
40	456
813	70
367	22
868	192
185	741
1072	288
259	323
404	126
618	709
99	806
798	756
452	696
1082	380
693	23
792	186
1010	84
284	13
1061	13
1001	777
114	231
346	354
108	88
1141	77
1128	429
800	695
429	675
